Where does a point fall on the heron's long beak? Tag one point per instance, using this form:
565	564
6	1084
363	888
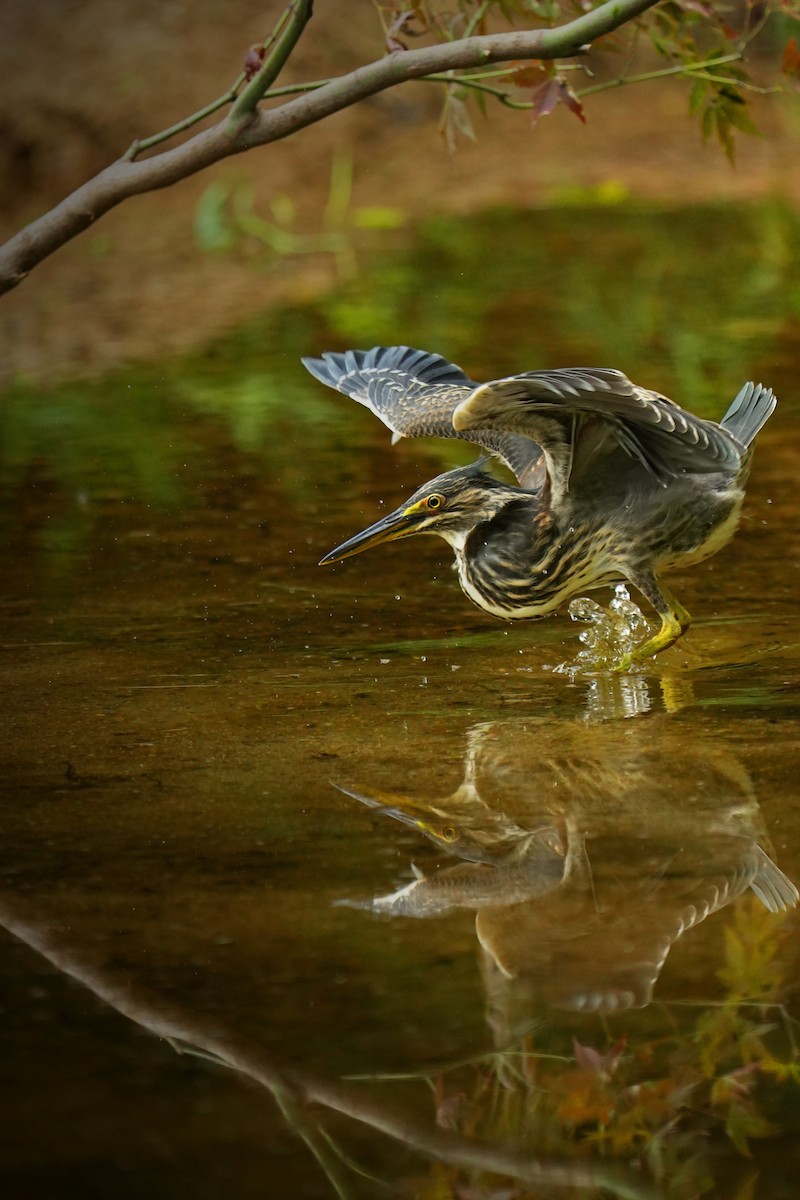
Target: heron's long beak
398	524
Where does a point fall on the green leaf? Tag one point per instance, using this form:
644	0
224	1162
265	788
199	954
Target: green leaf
739	117
707	122
379	216
697	95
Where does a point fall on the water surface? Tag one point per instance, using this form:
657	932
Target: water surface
223	765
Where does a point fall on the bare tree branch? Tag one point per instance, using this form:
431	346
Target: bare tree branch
246	127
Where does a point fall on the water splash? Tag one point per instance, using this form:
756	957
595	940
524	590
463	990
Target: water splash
609	633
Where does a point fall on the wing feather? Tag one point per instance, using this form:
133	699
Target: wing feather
415	395
552	425
544	405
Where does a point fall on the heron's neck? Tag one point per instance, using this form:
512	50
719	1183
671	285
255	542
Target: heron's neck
520	532
504	562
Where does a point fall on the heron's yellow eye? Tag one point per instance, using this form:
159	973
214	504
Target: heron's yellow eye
449	834
435	501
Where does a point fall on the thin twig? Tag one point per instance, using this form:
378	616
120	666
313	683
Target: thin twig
473	85
477	18
291	89
694	70
284	39
141	145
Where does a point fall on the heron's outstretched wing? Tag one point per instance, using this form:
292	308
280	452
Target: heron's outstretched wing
415	394
580	413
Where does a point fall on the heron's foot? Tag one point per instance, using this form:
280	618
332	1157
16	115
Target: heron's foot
674	623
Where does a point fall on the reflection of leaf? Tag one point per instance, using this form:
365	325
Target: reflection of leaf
743	1124
731	1088
589	1059
750	949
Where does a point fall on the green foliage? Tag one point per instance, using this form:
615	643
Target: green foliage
228	216
719	100
696	38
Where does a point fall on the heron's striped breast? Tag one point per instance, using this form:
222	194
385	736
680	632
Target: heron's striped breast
505	585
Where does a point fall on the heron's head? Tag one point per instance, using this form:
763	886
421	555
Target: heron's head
451	505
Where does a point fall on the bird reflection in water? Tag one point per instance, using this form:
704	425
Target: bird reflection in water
586	851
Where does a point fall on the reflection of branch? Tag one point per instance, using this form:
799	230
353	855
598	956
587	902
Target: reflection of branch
291	1088
297	1117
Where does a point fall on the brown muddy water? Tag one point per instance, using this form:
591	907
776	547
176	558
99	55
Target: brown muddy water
318	882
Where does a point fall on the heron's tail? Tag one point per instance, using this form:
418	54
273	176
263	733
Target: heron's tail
751	409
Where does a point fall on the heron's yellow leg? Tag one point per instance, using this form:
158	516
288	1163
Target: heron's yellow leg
675	620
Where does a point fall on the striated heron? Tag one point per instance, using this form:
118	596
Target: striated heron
616	482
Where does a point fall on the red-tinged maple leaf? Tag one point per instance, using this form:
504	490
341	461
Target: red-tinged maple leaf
554	91
525	77
790	63
572	102
544	98
253	61
402	24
